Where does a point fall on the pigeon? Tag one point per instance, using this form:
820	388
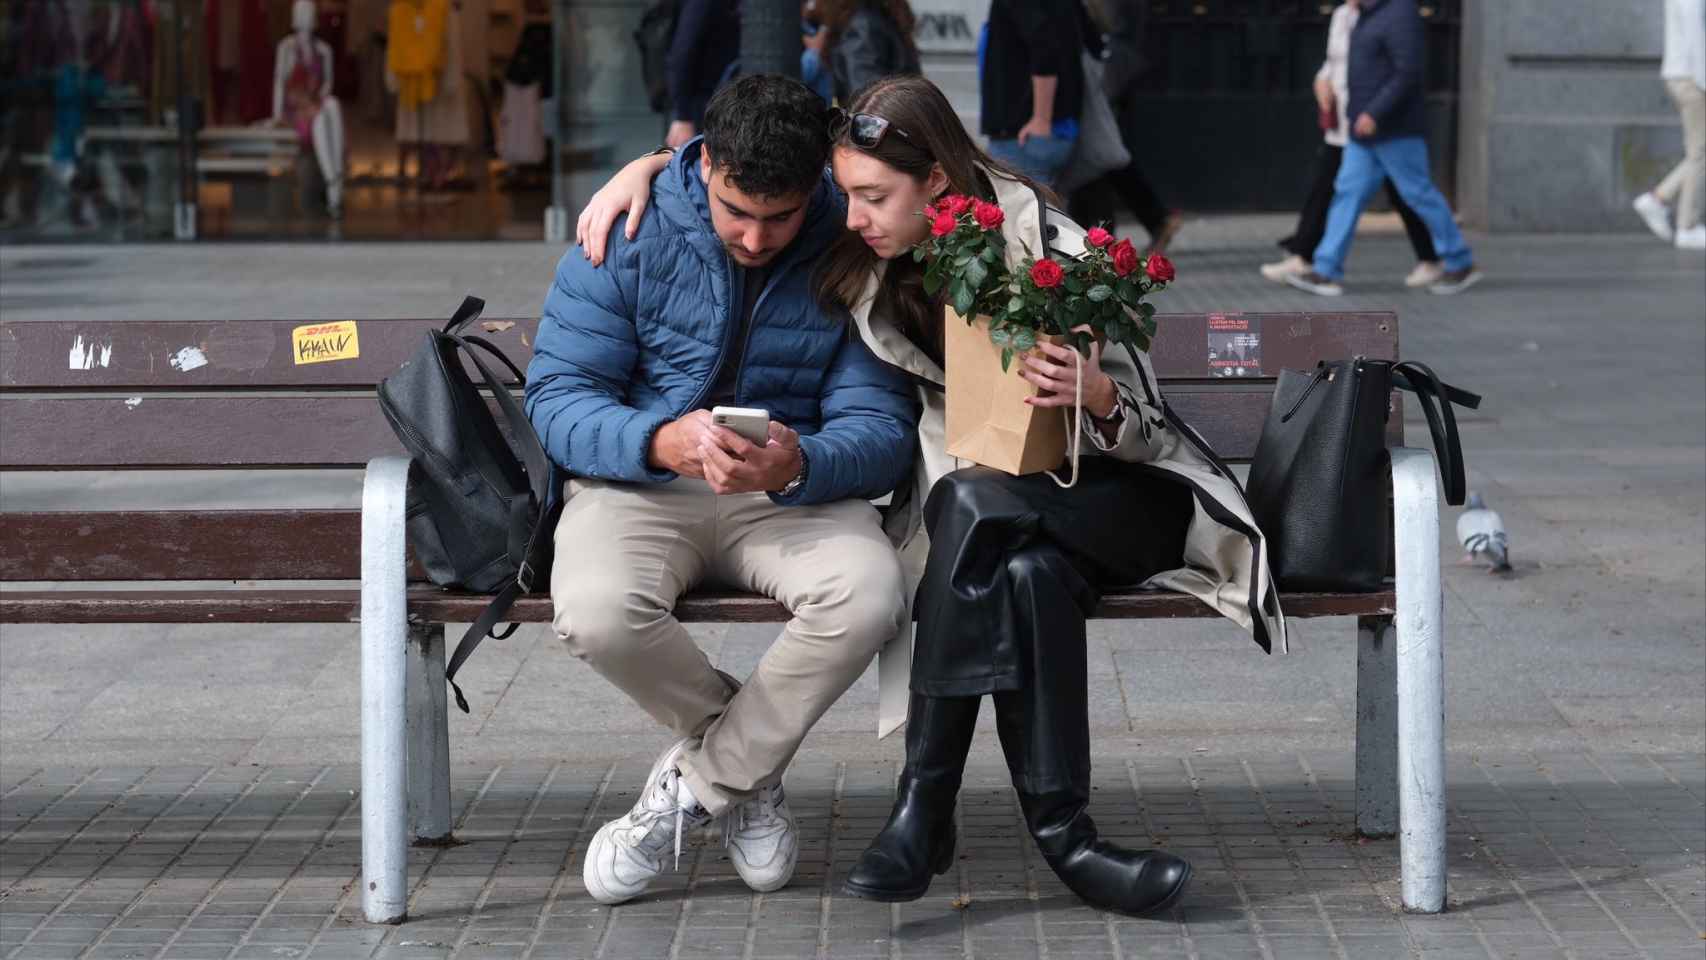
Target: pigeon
1482	534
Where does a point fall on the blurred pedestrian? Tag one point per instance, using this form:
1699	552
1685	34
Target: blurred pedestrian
1115	37
1031	82
1331	93
866	40
1684	72
1384	94
706	41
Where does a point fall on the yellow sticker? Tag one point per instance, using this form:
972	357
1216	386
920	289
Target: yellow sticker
320	342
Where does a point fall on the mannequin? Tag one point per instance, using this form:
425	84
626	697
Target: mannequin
302	98
424	67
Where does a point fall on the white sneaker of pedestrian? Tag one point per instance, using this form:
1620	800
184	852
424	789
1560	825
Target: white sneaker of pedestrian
1694	238
763	840
1280	269
627	853
1655	214
1427	273
1315	283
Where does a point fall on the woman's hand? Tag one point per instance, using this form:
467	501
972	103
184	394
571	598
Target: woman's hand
1054	371
628	192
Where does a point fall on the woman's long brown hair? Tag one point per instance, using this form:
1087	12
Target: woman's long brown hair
934	134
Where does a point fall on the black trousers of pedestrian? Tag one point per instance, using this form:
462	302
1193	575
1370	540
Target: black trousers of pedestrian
1016	565
1095	202
1312	219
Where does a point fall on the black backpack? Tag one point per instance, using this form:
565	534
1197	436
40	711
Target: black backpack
480	515
656	31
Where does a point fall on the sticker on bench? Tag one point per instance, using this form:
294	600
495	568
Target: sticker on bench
87	355
321	342
1234	346
187	359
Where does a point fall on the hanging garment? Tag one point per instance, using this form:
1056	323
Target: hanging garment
416	52
255	84
118	46
521	126
443	119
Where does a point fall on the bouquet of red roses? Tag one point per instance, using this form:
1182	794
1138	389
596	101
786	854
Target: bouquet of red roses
1102	289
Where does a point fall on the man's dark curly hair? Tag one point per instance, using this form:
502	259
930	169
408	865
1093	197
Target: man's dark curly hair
768	135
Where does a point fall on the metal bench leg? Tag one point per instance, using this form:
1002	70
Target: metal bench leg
1421	682
429	736
384	652
1377	727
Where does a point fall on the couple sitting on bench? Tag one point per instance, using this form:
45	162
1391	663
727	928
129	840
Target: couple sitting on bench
758	280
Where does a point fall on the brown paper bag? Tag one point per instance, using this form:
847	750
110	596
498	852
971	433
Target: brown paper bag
988	421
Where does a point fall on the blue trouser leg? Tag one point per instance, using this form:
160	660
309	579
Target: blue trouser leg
1359	177
1406	162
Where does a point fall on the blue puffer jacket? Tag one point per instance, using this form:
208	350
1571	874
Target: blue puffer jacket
628	347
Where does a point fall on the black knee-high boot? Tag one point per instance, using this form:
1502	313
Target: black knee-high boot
917	843
1045	734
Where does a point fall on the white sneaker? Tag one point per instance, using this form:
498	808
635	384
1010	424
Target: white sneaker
1655	214
763	840
1694	238
1290	266
1426	274
627	853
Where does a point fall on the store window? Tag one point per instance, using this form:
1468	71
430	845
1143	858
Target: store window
140	120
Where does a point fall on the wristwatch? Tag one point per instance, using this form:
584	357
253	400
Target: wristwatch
799	480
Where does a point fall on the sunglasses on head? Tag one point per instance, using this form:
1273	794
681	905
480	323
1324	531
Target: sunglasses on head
863	130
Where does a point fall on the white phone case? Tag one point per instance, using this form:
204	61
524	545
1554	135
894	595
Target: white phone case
749	422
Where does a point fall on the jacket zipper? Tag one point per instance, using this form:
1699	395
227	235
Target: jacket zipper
722	358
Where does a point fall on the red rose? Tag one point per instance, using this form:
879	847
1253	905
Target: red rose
1125	257
930	212
989	216
1098	238
1160	269
1046	274
944	225
957	204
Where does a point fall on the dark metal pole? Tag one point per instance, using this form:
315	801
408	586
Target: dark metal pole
557	214
770	37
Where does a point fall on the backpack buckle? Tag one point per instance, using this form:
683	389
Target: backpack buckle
524	577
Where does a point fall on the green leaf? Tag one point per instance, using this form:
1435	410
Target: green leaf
990	255
1073	285
1001	336
975	274
1147	310
932	282
961	261
964	301
1006	360
1025	340
1099	293
1016	305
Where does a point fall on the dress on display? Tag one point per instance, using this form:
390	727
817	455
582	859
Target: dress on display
306	74
441	115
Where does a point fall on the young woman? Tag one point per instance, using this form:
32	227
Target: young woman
1009	567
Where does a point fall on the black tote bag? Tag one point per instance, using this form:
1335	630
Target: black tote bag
1318	482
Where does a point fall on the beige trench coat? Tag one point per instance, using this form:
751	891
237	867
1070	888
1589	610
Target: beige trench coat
1226	563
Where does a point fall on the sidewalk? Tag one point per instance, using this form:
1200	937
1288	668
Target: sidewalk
186	791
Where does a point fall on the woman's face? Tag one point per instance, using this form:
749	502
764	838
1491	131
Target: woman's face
884	204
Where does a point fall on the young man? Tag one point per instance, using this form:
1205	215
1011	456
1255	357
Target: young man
712	303
1388	117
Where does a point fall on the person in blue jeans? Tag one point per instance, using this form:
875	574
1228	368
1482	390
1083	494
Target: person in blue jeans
1387	141
1031	84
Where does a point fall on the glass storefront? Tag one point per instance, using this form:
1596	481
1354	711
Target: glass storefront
143	120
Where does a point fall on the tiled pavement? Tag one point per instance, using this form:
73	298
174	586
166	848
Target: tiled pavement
1577	855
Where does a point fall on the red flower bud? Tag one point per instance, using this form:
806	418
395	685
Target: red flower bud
1098	238
1125	257
1160	269
1046	274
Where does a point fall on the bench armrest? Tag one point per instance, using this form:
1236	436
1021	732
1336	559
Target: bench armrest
384	648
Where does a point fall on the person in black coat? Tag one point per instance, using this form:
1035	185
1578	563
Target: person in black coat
706	41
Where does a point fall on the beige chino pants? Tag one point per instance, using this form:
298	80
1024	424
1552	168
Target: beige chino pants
625	553
1685	186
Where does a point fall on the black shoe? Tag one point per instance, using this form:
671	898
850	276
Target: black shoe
1103	874
917	843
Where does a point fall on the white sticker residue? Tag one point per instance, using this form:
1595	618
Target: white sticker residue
188	359
88	356
133	402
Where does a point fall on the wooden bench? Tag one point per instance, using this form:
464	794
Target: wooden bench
165	395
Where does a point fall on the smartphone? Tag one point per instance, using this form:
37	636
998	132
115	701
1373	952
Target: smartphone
750	422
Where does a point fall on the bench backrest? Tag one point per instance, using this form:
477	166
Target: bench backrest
238	395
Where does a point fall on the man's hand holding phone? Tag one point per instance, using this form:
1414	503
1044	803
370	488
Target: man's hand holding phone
695	446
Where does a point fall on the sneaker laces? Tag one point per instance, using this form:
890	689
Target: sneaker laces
646	816
757	812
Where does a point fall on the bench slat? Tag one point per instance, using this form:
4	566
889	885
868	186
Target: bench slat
58	432
433	605
181	545
254	354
